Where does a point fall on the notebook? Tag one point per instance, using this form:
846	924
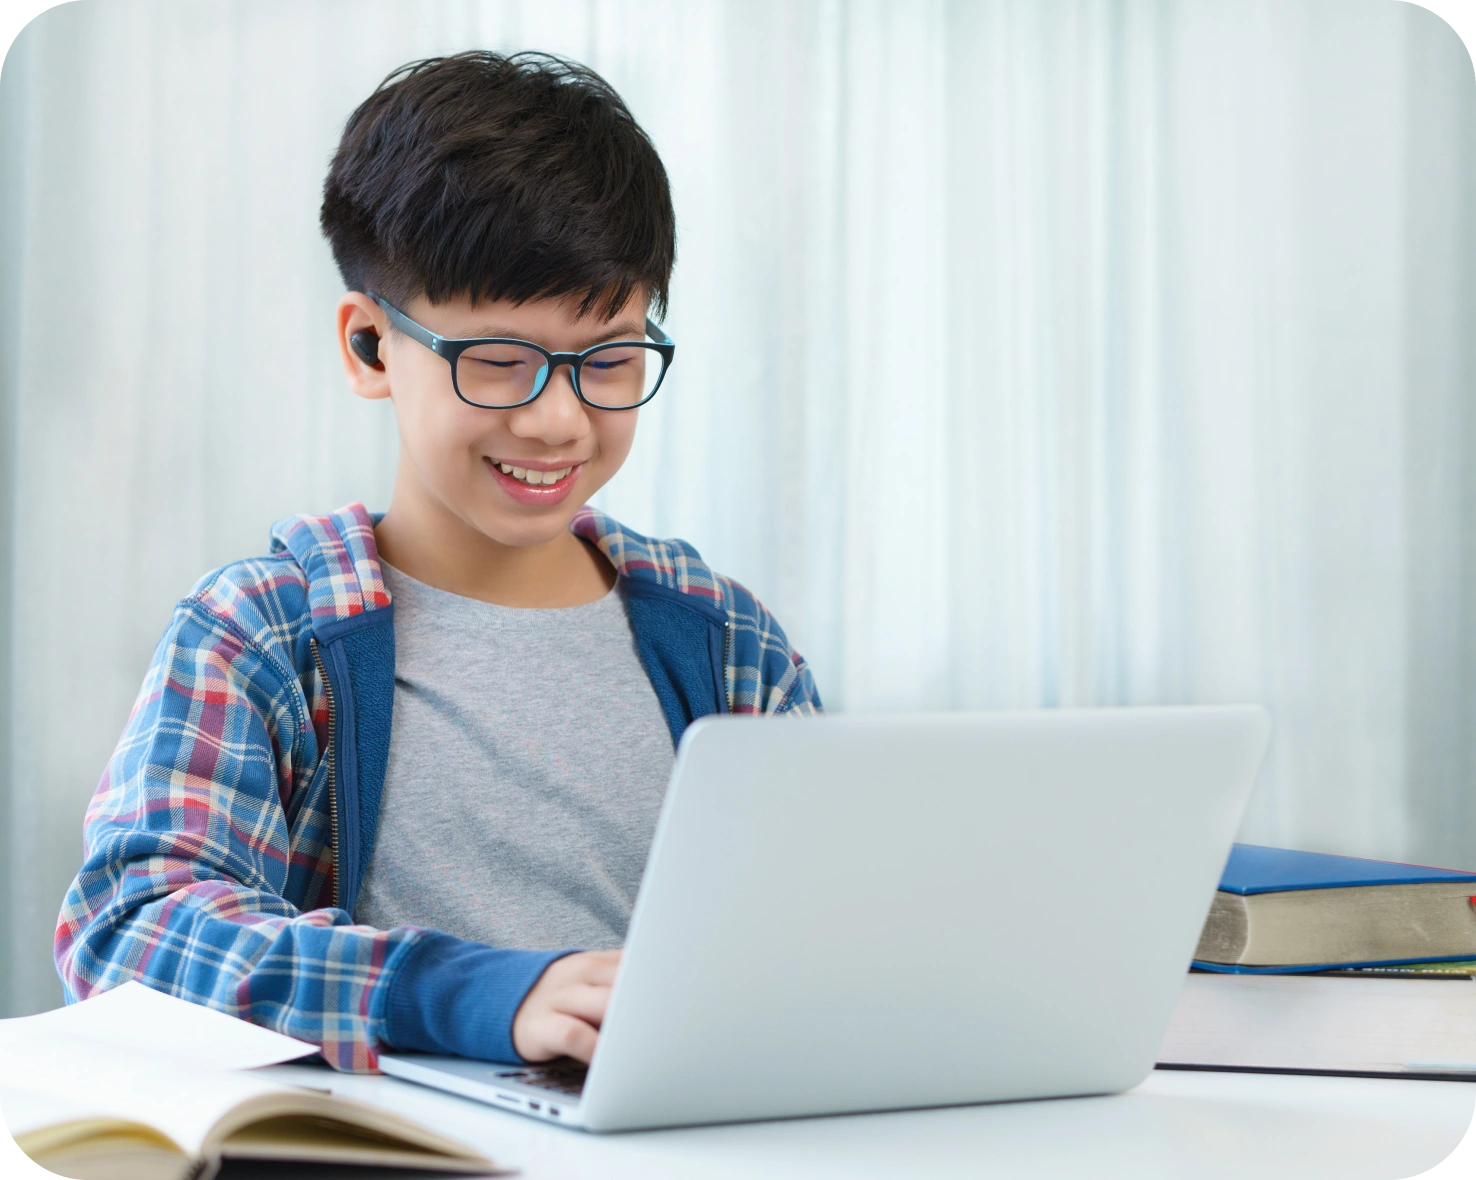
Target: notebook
1280	910
137	1085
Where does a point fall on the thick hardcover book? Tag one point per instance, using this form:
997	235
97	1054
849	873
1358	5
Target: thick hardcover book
1338	1024
1281	911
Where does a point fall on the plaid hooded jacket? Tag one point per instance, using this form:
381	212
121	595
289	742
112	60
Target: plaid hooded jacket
226	842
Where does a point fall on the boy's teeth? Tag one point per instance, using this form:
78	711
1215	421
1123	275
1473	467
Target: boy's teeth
534	478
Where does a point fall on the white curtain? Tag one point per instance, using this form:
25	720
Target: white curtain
1029	354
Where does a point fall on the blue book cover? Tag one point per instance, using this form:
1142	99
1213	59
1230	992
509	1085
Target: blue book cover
1254	868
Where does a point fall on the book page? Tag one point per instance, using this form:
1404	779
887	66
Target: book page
133	1055
56	1081
49	1077
133	1016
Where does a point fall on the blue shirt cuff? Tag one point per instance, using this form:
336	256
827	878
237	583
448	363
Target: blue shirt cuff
458	998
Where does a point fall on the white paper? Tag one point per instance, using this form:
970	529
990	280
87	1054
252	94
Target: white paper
49	1077
145	1057
132	1016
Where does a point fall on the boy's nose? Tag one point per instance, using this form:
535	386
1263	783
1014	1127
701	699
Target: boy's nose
556	415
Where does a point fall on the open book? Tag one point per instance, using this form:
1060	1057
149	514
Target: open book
138	1085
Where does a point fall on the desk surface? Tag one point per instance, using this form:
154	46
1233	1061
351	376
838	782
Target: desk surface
1175	1125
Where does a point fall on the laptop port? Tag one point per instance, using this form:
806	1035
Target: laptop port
535	1106
508	1098
554	1110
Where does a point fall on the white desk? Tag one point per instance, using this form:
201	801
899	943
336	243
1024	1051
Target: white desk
1175	1126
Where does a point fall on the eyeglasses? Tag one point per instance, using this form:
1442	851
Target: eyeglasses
498	373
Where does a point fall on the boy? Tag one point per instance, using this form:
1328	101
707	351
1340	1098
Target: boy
395	784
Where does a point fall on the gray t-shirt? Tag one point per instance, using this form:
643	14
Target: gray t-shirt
528	761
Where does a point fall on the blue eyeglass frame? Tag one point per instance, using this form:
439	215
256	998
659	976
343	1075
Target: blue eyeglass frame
451	348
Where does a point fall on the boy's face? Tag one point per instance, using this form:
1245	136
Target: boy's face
453	455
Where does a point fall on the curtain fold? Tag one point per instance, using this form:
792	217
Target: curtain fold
1029	354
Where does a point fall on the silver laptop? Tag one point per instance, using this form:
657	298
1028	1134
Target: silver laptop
869	912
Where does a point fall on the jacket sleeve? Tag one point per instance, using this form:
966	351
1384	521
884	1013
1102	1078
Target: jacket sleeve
766	674
801	696
186	857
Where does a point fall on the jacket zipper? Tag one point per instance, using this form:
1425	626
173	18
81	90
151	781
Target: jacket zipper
727	645
332	793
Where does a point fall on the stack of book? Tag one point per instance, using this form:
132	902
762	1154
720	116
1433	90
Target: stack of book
1311	963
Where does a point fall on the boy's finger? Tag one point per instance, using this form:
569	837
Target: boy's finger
585	1001
567	1036
600	971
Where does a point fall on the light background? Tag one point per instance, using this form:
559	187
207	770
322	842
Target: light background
1029	353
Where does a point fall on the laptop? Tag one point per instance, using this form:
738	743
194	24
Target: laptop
860	912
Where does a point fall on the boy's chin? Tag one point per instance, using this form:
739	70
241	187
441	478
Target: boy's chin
524	532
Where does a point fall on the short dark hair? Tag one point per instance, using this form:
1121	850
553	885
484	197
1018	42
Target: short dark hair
500	177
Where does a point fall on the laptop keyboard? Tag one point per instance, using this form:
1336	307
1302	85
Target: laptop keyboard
561	1077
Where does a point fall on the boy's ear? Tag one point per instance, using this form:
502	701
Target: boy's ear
361	327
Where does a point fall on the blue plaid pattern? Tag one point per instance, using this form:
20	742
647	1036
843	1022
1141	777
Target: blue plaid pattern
208	869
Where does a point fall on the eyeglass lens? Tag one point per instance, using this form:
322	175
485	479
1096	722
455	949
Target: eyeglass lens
620	375
616	376
500	374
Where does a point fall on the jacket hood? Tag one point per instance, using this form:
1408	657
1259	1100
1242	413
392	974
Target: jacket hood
339	557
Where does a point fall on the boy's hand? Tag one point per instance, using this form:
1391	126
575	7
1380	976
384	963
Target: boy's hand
561	1016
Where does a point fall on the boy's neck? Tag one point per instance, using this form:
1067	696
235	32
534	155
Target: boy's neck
443	551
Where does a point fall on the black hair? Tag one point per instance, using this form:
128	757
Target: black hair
500	177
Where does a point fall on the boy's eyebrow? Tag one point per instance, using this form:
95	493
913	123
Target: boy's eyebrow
627	331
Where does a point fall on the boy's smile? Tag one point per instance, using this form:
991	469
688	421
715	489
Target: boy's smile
483	497
535	483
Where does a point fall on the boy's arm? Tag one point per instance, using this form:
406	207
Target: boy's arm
801	695
766	674
187	855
